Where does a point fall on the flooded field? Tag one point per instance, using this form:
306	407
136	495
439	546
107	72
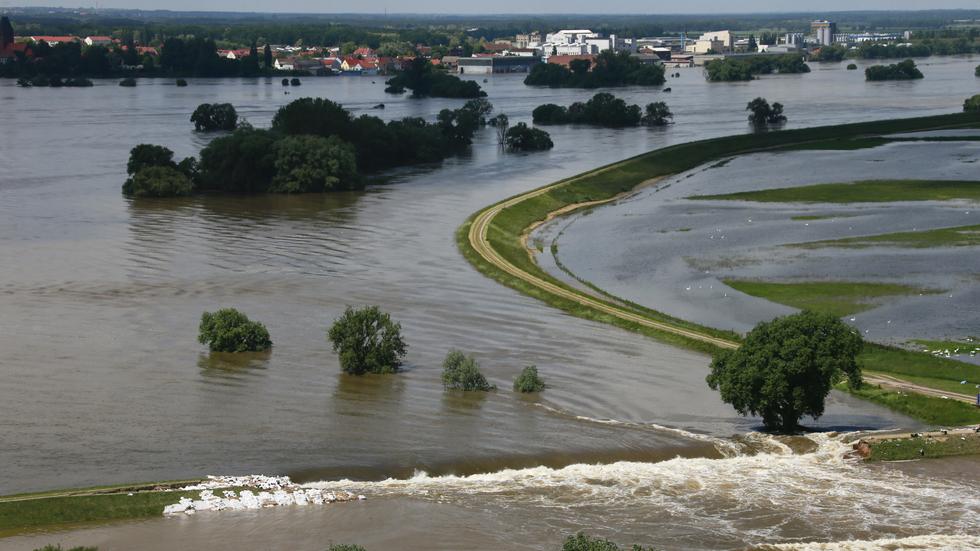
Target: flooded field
102	381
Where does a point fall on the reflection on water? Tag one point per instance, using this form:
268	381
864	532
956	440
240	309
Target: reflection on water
100	296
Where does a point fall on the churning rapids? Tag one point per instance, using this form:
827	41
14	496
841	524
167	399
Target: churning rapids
102	381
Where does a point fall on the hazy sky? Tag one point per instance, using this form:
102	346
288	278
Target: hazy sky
506	6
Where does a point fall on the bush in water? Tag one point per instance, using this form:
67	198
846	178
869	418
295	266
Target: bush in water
461	372
158	181
367	341
214	116
229	330
345	547
582	542
528	381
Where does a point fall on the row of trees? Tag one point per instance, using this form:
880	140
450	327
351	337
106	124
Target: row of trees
731	69
366	340
611	69
903	70
603	109
425	80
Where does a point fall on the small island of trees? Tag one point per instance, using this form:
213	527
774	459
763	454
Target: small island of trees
522	137
209	117
786	368
229	330
903	70
611	69
731	69
425	80
603	109
761	114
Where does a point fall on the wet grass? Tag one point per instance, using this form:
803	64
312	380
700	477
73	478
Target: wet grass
48	511
935	411
906	364
945	385
959	236
963	347
839	298
864	191
901	449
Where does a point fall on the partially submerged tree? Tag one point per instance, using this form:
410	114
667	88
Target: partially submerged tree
367	341
314	164
528	381
786	367
762	114
524	138
657	114
214	116
583	542
972	104
158	181
229	330
461	372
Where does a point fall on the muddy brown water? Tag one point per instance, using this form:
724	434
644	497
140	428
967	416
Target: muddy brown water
101	379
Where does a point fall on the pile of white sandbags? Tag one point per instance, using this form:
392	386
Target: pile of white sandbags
262	491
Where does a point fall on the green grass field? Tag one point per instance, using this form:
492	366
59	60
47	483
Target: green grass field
839	298
935	411
838	144
914	448
959	236
864	191
964	346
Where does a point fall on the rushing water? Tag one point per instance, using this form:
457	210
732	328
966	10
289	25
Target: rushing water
102	380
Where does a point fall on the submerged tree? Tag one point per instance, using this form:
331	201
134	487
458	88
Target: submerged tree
657	114
762	114
461	372
785	368
229	330
367	341
528	381
214	116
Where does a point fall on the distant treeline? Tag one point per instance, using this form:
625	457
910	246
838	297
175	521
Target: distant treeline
746	68
917	48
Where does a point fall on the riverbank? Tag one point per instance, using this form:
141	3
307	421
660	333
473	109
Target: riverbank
494	239
908	446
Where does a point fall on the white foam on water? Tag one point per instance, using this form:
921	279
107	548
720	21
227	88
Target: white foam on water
750	497
258	492
929	542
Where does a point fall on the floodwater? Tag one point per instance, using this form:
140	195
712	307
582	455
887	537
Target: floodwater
666	251
103	381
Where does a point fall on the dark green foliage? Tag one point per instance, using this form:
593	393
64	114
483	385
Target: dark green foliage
582	542
603	109
181	82
268	62
345	547
307	163
128	82
158	181
59	548
461	372
425	80
976	72
318	116
285	82
147	155
852	67
972	104
903	70
229	330
528	381
762	114
611	69
243	161
521	137
830	53
745	68
785	368
41	81
367	341
657	114
294	82
214	116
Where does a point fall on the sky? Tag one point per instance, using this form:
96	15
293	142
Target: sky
505	6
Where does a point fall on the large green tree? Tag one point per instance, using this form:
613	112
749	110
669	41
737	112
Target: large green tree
228	330
367	341
312	164
786	367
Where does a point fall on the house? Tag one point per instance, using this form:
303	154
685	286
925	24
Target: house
329	65
712	42
363	52
284	63
8	53
98	40
54	40
496	64
235	54
147	50
313	66
353	65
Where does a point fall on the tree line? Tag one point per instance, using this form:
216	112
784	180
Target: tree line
730	69
603	109
611	69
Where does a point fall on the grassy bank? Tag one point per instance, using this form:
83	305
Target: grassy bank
839	298
960	236
914	448
932	410
864	191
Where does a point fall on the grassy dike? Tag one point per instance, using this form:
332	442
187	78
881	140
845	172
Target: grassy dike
507	230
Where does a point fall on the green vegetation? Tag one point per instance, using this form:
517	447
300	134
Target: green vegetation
23	514
829	53
529	381
158	181
961	236
583	542
509	225
966	345
935	411
461	372
903	70
942	373
521	137
59	548
128	82
852	67
762	114
729	69
838	298
181	83
345	547
972	104
657	114
367	341
786	367
900	449
214	116
864	191
425	80
307	164
611	69
229	330
976	72
603	109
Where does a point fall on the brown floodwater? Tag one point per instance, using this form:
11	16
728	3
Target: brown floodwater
102	381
